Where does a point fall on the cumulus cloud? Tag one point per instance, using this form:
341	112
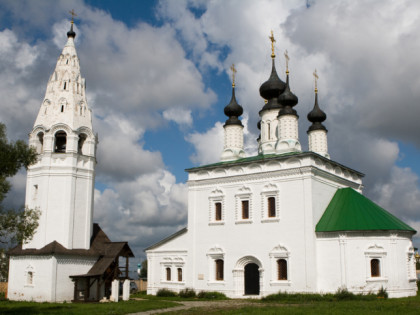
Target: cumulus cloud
181	116
208	145
141	77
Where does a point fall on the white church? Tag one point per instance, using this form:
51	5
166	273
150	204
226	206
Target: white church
69	258
284	220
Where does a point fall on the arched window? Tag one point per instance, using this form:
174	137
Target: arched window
282	269
168	274
179	274
60	142
218	211
375	268
30	278
40	144
271	207
219	269
82	139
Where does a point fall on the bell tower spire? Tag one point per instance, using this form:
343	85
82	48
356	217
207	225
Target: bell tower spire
234	136
61	183
317	133
270	91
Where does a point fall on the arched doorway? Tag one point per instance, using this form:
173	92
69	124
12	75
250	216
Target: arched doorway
252	279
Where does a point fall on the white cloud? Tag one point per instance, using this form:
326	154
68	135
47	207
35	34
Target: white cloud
181	116
208	145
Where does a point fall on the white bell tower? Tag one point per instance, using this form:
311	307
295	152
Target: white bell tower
61	183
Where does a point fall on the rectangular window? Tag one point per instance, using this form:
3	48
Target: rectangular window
245	209
180	274
375	268
218	211
282	269
219	269
271	207
168	274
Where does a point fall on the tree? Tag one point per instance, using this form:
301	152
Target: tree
143	270
16	226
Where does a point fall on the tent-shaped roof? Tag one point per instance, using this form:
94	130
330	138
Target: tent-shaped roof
349	210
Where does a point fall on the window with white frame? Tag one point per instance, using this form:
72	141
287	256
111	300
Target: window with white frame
375	263
280	260
243	209
172	269
216	258
216	207
29	275
270	203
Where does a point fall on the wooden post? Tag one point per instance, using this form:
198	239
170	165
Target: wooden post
126	267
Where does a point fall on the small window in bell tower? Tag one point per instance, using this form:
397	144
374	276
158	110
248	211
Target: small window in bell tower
60	142
40	144
80	146
65	84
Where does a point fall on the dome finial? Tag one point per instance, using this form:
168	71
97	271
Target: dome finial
286	55
272	44
233	74
316	81
71	33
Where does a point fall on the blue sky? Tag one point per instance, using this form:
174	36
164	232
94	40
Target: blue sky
158	79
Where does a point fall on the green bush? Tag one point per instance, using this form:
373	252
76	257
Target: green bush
344	294
2	296
382	293
165	293
297	297
211	295
187	293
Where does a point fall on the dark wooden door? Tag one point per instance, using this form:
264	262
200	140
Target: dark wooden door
252	279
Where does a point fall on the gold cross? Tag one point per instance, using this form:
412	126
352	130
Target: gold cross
73	14
286	55
272	44
233	74
316	79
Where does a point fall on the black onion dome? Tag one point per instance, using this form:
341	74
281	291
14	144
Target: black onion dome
288	100
271	89
233	110
316	116
71	33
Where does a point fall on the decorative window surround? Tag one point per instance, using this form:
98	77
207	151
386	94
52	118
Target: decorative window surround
279	252
215	253
29	276
216	196
270	190
376	252
244	194
173	263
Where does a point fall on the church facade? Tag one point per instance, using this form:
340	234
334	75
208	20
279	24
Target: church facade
69	257
283	220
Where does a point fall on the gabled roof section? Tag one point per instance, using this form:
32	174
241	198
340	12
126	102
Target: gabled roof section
169	238
349	210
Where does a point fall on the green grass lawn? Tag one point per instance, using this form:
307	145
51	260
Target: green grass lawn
293	304
122	307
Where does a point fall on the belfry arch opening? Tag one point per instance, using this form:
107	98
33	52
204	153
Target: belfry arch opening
40	143
81	148
60	142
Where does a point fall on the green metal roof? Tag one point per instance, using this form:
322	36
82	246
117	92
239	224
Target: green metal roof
349	210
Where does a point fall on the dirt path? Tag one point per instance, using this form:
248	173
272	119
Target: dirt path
205	304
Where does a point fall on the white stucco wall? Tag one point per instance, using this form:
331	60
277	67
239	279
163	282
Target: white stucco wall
344	261
50	280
